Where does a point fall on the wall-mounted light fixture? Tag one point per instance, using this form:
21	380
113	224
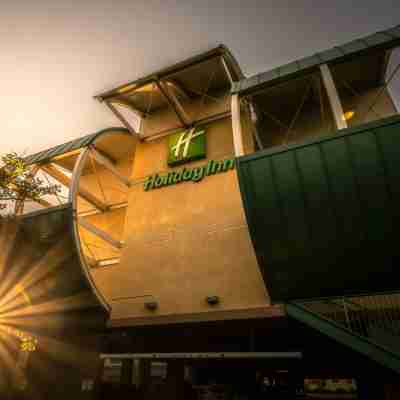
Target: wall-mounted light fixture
151	305
212	300
348	115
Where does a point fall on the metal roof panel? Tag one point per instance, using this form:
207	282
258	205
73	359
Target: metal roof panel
385	39
330	54
266	76
84	141
394	32
308	62
351	47
377	39
289	68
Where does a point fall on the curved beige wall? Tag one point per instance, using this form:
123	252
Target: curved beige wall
184	242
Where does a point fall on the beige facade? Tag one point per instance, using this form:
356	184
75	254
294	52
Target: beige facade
183	242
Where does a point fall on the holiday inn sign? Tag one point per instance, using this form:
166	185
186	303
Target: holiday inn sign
186	146
183	147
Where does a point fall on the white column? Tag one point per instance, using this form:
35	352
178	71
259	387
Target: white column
334	100
236	126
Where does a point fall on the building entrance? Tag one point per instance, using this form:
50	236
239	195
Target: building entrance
203	376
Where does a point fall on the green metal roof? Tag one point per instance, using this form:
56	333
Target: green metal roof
84	141
380	40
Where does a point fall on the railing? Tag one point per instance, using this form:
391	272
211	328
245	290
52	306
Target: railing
375	317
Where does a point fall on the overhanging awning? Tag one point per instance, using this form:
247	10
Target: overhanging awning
228	355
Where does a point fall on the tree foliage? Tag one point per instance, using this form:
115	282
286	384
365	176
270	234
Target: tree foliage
18	183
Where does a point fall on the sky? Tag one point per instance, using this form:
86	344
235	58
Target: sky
56	55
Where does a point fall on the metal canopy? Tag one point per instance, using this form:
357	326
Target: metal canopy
381	40
176	95
76	144
221	50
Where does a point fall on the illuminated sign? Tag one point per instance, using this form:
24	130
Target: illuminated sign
186	146
188	174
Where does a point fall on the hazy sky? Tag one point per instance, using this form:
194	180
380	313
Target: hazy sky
54	56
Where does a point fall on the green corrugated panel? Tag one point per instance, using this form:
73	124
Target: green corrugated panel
84	141
324	215
385	39
380	354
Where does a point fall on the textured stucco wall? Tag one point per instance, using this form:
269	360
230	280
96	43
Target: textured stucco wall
184	242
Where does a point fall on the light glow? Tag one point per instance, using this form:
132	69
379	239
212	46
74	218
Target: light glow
27	310
348	115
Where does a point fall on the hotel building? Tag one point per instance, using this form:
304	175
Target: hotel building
236	234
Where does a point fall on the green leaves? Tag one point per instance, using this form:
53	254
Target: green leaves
18	181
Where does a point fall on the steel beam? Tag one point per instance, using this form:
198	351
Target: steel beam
105	162
121	118
174	103
66	181
100	233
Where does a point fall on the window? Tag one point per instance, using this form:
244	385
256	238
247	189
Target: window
292	111
368	86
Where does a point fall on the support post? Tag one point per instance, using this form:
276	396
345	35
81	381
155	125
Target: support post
226	68
72	197
334	100
237	126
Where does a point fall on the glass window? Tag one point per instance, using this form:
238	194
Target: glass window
368	86
292	111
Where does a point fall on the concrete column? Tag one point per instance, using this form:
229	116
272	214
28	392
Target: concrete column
237	126
334	100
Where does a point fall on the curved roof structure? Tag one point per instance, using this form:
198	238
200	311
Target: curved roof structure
64	148
93	175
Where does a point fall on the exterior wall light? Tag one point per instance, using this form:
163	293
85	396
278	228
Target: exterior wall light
151	305
348	115
212	300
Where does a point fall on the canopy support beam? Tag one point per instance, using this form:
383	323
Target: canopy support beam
121	118
66	181
174	103
105	162
100	233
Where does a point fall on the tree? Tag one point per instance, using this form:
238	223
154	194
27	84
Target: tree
18	181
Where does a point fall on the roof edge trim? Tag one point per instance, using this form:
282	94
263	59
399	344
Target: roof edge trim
385	39
84	141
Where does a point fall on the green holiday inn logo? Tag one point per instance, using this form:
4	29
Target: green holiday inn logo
183	147
186	146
